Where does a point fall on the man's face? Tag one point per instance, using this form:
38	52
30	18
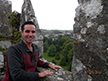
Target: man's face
28	33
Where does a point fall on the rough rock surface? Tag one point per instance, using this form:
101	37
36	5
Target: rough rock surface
5	44
28	14
1	60
90	61
5	11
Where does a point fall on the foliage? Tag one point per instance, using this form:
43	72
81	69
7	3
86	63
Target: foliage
57	56
53	61
49	59
17	36
64	51
2	36
12	20
45	45
1	48
70	65
67	46
45	56
63	40
63	61
52	51
70	55
4	52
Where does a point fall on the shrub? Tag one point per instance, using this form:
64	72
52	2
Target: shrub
63	61
51	51
53	61
57	56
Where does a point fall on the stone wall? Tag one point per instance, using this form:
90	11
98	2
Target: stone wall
90	61
5	8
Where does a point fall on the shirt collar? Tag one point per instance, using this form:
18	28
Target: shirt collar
35	49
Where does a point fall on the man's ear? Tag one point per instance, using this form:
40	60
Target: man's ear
21	32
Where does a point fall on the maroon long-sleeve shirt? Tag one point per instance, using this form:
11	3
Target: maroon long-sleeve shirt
22	63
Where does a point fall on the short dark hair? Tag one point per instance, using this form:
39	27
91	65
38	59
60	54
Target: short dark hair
25	23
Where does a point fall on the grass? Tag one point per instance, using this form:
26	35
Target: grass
49	59
45	56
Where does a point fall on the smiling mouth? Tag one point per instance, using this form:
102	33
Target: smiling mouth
31	37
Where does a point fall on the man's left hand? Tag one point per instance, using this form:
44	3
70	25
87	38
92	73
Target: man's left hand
54	67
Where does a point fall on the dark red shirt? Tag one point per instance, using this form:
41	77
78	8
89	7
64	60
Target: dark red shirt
22	63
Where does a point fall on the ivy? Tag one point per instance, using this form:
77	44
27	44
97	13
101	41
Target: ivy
17	36
12	19
2	36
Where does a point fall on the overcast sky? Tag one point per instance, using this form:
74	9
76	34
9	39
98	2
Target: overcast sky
51	14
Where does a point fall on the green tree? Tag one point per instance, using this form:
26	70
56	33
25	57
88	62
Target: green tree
45	46
63	40
67	46
57	56
52	51
63	61
70	55
70	66
53	61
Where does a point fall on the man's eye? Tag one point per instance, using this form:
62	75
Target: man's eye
33	31
27	31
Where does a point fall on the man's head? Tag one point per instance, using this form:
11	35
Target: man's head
28	31
25	23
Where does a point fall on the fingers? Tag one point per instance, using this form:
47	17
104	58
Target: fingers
58	67
45	73
48	72
55	67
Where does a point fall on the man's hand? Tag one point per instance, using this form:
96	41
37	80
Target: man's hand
54	67
45	73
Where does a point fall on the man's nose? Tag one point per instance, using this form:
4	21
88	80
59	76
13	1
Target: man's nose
30	33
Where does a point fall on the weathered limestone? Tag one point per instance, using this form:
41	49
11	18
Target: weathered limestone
5	44
90	61
1	60
5	8
28	14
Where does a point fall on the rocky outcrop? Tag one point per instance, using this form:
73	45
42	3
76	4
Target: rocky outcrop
5	8
90	61
28	14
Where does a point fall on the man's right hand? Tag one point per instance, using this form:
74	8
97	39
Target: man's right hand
45	73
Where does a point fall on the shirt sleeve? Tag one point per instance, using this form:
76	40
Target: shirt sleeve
16	67
43	64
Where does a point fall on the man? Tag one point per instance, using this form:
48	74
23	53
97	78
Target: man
23	58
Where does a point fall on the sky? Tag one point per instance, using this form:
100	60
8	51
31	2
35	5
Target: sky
51	14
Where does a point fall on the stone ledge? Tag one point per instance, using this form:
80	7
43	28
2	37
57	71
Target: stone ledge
60	75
